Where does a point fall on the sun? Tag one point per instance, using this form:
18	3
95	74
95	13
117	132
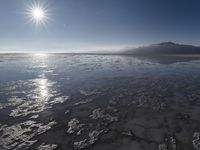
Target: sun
37	13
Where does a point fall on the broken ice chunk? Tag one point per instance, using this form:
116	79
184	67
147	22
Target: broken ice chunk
99	114
128	133
162	147
60	99
19	136
83	102
34	117
89	93
74	125
196	141
44	146
173	143
94	136
67	111
81	144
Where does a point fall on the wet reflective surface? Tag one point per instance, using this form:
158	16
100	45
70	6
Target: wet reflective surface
101	102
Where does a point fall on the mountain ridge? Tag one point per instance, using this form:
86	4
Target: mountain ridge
165	48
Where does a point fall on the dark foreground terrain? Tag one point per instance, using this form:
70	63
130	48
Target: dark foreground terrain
99	102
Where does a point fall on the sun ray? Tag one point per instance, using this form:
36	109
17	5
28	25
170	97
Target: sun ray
38	13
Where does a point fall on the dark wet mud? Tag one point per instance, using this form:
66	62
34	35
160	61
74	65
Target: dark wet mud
98	102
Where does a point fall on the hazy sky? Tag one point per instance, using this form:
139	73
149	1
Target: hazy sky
76	25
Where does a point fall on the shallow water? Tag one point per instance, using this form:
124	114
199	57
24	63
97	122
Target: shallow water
60	101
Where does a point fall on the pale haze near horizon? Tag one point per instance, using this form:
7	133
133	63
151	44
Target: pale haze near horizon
100	26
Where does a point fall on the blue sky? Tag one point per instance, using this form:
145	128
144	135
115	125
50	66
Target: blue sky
87	25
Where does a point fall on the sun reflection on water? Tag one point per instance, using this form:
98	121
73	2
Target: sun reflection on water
42	84
43	88
40	55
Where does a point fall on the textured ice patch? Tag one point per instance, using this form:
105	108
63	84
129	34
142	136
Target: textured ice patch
19	136
93	137
74	125
44	146
100	114
42	95
196	141
83	102
89	93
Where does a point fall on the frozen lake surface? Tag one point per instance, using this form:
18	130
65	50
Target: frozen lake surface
98	102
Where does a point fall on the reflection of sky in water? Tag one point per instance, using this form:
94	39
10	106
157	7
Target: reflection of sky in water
31	84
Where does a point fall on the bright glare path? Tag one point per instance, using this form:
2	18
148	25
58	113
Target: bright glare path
40	54
42	87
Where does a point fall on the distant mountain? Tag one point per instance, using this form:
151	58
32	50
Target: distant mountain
166	48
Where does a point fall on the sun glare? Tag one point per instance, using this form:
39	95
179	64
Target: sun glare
38	13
